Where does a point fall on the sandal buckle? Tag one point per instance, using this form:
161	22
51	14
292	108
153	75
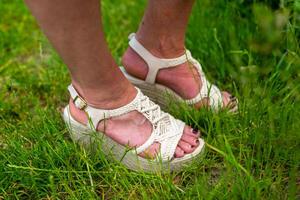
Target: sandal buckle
81	104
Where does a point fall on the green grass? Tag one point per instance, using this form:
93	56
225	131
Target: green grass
248	47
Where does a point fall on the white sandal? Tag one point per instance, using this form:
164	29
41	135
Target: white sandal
166	130
157	92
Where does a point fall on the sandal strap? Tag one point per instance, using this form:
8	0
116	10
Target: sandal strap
169	144
95	114
154	63
211	92
165	129
208	90
168	140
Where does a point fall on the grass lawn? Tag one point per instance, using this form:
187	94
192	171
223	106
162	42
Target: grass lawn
248	47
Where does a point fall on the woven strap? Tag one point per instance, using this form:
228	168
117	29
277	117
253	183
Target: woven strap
155	64
165	129
207	90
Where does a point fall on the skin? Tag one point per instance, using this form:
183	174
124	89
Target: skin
74	28
162	32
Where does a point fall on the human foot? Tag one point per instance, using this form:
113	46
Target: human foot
133	129
188	81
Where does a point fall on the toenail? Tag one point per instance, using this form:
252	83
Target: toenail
195	131
232	97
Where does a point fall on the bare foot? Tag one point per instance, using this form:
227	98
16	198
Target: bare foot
134	129
187	83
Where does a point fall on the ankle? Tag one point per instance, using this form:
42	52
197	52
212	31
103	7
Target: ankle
163	45
113	96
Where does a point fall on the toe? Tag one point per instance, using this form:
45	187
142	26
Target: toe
188	142
229	101
226	98
185	146
179	152
191	140
193	132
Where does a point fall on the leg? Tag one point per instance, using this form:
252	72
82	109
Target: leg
162	32
163	27
75	30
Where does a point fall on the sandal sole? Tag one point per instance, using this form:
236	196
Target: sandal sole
158	93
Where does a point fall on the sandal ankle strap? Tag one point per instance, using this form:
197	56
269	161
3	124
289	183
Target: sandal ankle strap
96	114
154	63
